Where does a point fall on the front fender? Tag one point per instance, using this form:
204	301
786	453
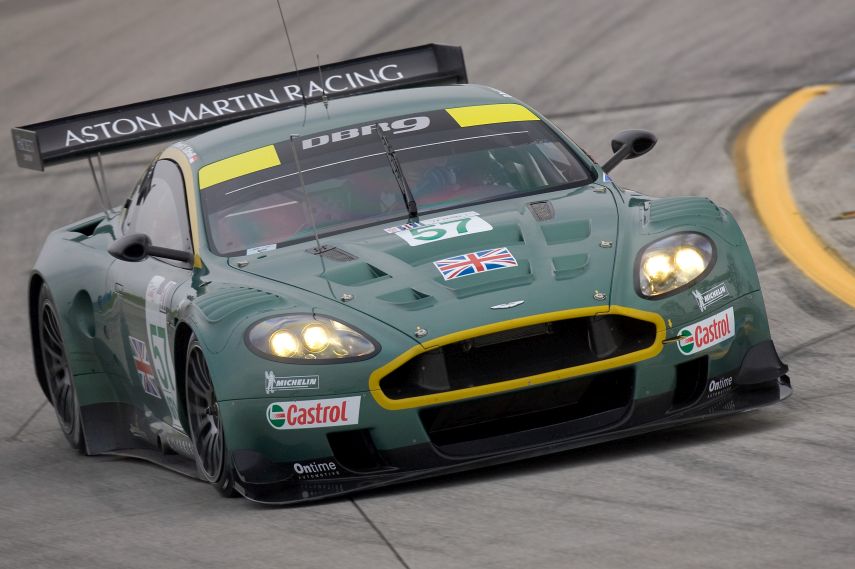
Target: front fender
221	316
647	220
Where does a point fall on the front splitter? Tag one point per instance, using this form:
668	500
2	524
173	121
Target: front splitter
293	491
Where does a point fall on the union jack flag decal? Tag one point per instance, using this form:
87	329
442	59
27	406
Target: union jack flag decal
477	262
144	369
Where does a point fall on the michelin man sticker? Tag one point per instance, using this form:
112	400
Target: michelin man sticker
157	297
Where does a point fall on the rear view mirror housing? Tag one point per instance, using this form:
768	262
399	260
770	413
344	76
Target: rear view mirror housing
137	247
629	144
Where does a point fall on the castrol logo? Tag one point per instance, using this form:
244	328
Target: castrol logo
314	414
706	333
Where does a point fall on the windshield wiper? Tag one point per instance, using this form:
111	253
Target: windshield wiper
409	200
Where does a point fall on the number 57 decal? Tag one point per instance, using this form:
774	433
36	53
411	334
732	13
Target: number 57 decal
441	231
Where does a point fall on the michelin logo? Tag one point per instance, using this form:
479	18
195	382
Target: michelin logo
273	384
713	295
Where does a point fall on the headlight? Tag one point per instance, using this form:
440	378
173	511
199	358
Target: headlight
284	344
673	263
305	338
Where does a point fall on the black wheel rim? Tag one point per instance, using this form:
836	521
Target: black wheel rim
57	372
205	425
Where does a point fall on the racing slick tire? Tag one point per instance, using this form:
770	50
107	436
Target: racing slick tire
57	372
205	424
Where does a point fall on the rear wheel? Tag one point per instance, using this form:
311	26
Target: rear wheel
206	426
57	372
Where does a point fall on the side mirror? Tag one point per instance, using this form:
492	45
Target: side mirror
629	144
137	247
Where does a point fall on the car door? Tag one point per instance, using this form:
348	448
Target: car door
145	289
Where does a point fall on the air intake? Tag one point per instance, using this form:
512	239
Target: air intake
333	254
542	211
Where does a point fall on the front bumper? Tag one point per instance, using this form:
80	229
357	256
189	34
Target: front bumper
356	464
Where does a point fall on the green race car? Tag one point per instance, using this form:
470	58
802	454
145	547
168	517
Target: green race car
378	273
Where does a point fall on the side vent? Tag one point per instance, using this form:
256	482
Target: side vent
218	303
664	212
542	211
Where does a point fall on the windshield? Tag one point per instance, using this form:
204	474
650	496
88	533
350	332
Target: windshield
450	158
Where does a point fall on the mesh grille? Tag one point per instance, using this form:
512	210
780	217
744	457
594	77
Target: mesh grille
333	253
521	352
542	211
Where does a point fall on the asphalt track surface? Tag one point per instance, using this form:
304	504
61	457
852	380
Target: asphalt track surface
774	488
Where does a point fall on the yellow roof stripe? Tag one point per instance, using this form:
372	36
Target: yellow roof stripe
238	165
491	114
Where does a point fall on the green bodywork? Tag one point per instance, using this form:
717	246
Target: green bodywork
590	245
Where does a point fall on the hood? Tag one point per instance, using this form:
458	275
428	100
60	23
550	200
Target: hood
556	241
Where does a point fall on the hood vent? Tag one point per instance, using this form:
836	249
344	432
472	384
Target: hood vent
566	231
570	266
357	274
408	299
542	211
333	253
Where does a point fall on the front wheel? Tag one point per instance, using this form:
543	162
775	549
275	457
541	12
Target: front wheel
206	426
57	372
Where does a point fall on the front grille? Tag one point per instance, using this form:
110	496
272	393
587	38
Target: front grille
520	352
531	416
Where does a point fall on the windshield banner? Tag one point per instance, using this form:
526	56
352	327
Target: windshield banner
44	144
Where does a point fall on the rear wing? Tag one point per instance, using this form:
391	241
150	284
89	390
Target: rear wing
80	136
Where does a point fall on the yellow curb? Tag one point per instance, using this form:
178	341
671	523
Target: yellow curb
762	167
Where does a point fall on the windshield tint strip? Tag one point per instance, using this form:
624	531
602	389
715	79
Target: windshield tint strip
256	210
462	139
491	114
237	166
305	170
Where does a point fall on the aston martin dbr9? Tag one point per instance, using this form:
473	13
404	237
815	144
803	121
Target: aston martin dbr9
377	285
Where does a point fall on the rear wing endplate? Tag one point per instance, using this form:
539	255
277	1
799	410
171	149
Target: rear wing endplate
44	144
